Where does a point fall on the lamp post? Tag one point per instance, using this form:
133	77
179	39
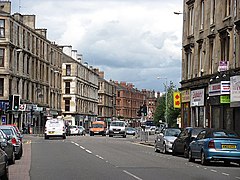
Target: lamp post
166	99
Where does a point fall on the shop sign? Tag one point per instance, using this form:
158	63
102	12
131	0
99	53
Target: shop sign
177	102
235	89
223	66
225	99
185	95
197	97
219	88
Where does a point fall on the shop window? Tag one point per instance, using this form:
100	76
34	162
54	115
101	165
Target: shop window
2	28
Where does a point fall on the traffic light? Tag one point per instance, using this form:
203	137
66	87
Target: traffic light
144	110
139	113
16	102
10	100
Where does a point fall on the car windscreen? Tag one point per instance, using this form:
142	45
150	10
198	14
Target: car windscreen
97	125
118	124
172	132
54	124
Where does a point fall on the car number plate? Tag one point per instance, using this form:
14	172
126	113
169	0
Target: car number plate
229	146
116	132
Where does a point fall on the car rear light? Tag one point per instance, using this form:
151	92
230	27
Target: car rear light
211	144
14	141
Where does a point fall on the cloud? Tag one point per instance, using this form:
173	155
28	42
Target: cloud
131	40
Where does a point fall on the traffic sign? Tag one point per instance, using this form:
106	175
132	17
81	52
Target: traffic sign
4	119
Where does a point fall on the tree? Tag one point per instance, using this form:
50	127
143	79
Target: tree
172	113
160	110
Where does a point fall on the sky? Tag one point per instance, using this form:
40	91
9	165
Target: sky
135	41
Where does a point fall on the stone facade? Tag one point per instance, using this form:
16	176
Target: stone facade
79	89
106	99
30	67
210	58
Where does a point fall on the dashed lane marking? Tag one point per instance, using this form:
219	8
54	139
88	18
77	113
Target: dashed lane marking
130	174
225	174
76	144
82	147
90	152
99	157
213	170
237	177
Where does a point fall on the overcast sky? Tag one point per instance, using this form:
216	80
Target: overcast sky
130	40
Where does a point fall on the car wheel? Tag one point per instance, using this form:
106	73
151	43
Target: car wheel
156	149
186	152
46	137
190	158
164	149
227	162
110	135
174	153
5	176
124	136
12	160
204	161
64	136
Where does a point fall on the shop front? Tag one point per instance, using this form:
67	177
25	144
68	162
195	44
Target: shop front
186	110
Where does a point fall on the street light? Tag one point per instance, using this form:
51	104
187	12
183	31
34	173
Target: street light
166	98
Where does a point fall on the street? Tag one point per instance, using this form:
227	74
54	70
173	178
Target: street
98	157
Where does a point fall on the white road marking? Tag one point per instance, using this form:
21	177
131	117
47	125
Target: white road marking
72	142
76	144
225	174
213	170
99	157
138	178
90	152
237	177
82	147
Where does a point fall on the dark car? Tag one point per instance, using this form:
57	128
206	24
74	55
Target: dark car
7	146
181	143
3	165
215	145
15	139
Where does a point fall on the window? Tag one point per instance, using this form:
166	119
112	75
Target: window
2	28
67	104
2	52
1	86
68	70
202	15
212	14
211	57
67	87
225	39
190	20
200	59
227	10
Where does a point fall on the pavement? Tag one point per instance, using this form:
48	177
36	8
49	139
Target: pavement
20	170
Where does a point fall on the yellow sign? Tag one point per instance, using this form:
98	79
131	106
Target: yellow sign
177	101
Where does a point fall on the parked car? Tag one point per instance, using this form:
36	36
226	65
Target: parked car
165	139
181	143
82	130
15	139
73	130
7	146
130	131
212	144
3	165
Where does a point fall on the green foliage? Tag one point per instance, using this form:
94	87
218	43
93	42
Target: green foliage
172	113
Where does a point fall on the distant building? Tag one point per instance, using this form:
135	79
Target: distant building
151	102
79	88
106	98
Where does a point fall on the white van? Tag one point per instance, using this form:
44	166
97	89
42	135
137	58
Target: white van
117	128
55	127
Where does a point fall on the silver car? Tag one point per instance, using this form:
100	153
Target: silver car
164	140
